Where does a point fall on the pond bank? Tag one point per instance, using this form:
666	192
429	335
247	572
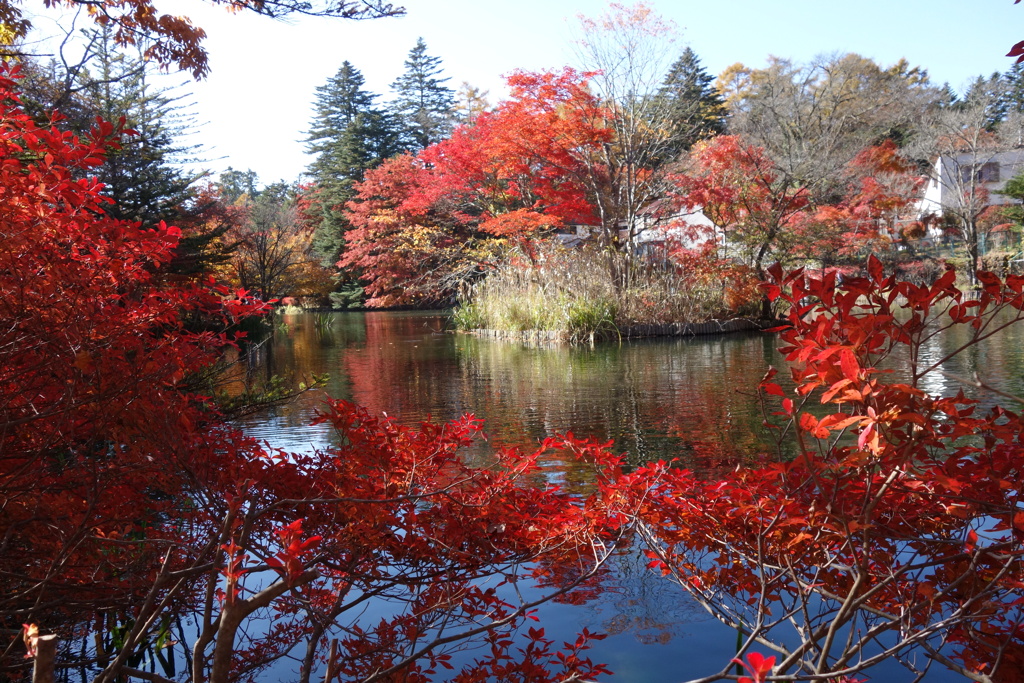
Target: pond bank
630	332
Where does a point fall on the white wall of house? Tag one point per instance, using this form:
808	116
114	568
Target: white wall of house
951	178
688	229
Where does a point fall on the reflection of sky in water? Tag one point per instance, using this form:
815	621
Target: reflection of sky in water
997	362
936	384
686	398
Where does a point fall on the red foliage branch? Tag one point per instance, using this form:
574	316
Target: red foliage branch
94	354
897	525
127	502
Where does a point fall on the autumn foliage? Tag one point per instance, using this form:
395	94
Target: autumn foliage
766	215
890	524
424	224
130	505
98	424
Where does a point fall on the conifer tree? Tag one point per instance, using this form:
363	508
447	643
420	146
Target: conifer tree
145	176
1014	94
991	90
233	184
349	135
691	106
425	105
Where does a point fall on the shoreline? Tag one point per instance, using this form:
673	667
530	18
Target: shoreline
640	331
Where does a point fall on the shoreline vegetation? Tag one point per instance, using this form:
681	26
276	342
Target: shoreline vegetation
582	295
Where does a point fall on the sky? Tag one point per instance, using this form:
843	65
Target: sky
254	108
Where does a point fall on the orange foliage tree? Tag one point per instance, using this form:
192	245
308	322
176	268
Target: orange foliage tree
877	214
759	214
425	224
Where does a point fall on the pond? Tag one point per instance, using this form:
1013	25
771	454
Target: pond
692	399
680	398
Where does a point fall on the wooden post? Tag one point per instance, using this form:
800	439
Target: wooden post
46	659
332	662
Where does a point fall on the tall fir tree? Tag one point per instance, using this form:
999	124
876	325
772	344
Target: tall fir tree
993	91
348	136
233	184
1013	79
691	107
425	105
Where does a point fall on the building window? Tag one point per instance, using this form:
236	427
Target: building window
980	173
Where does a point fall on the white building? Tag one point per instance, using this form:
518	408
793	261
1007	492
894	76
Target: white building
970	179
655	230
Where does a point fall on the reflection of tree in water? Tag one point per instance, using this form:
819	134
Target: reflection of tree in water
691	399
658	399
640	603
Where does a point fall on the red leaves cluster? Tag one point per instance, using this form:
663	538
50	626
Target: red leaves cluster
768	215
741	191
758	666
127	501
97	420
290	559
424	223
393	518
899	508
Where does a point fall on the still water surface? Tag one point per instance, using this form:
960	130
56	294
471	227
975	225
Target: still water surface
680	398
691	399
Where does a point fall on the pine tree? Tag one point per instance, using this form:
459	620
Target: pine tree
349	135
691	107
145	177
425	105
1014	96
991	92
234	184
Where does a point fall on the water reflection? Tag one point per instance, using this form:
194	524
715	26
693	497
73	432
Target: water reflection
691	399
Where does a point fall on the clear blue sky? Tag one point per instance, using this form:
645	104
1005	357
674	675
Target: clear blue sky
256	104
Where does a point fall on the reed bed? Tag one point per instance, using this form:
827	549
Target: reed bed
592	293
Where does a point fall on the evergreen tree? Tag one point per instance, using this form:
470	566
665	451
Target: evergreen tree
691	107
49	87
947	96
425	105
235	184
993	92
348	136
144	178
1014	95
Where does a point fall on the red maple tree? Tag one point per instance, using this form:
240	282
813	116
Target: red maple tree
425	224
